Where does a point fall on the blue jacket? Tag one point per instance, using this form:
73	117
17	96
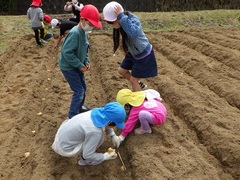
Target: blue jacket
74	51
137	42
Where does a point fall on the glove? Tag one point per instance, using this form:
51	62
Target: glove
111	155
117	140
81	6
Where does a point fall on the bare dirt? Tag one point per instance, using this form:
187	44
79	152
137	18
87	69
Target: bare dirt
199	80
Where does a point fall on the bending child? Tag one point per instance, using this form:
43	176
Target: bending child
139	61
74	61
84	133
142	106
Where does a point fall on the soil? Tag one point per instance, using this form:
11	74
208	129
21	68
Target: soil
199	81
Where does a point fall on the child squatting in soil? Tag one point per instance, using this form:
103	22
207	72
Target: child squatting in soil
35	14
142	106
73	60
139	58
84	133
46	21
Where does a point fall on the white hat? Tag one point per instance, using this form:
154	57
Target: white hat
152	94
54	23
74	1
109	11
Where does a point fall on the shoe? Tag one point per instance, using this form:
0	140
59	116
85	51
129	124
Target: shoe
85	109
142	85
82	162
40	45
141	131
42	41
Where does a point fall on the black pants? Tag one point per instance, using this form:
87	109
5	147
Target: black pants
37	35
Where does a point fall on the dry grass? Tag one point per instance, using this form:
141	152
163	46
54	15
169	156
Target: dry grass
13	26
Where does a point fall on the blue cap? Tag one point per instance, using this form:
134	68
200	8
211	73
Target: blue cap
111	112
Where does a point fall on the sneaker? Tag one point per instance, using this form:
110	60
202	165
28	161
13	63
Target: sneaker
40	45
142	85
85	109
42	41
141	131
82	162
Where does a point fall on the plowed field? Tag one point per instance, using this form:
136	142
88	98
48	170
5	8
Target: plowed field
199	80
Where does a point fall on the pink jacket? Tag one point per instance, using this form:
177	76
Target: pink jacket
154	106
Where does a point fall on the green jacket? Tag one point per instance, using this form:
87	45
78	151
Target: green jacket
74	51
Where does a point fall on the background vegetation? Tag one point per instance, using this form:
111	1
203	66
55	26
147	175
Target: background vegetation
19	7
14	26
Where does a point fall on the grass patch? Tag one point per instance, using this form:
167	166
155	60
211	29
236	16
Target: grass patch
15	26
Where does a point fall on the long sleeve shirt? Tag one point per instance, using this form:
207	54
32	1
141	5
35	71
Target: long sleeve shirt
154	106
74	51
81	130
137	42
35	14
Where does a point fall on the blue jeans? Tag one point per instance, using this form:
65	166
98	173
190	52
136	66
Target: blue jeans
76	81
48	36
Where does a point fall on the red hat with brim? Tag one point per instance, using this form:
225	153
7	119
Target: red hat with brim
36	3
91	13
47	18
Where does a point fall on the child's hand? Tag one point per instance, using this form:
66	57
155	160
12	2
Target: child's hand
88	67
118	9
84	68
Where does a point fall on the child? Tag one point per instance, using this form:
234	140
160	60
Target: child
46	21
73	60
139	58
84	133
145	107
75	7
64	27
35	14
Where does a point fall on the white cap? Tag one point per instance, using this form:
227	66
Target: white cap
152	94
109	11
74	1
54	23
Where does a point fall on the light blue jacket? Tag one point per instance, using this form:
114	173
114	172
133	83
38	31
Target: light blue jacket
137	42
74	52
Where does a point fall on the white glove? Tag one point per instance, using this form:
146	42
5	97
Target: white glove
79	8
116	140
111	155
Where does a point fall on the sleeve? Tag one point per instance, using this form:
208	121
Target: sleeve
130	24
67	8
131	121
78	6
69	47
90	145
40	14
86	61
62	30
29	13
110	132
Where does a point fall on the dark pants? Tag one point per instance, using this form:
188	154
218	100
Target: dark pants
37	35
76	81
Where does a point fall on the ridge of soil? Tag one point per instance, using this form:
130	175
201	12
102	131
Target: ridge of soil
199	81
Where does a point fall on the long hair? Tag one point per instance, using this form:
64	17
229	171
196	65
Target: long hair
116	38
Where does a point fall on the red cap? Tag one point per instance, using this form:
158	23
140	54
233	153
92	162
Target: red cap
47	18
91	13
36	3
